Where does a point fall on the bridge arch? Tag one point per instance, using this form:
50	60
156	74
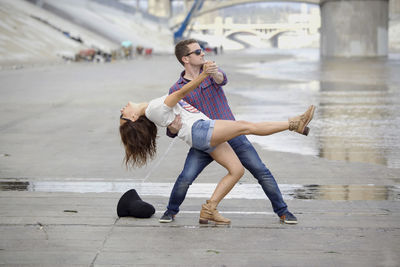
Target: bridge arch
230	33
231	3
241	2
272	34
338	35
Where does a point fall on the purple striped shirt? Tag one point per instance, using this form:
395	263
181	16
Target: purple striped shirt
208	97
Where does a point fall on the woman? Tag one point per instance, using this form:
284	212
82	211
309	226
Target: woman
138	133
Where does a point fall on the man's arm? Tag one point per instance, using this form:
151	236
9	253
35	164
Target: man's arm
215	73
218	77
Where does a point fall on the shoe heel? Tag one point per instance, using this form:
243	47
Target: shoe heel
306	131
203	221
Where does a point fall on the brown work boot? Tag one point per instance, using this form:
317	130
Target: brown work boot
299	123
210	213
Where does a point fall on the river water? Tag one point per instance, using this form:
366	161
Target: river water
358	105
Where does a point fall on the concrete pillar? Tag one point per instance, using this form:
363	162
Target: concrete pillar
394	26
354	28
394	9
159	8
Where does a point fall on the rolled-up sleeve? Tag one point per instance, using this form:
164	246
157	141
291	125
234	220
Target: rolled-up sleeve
225	81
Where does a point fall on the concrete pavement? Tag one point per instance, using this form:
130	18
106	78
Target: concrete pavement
45	229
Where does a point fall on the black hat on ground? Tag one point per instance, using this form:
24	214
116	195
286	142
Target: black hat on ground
131	205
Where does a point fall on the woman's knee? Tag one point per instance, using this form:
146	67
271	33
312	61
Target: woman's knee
246	127
237	171
241	172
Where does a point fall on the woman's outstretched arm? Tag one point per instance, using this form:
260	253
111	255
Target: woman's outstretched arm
176	96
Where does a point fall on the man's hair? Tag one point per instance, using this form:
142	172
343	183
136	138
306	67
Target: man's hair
181	49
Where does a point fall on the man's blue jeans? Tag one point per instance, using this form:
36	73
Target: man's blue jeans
197	160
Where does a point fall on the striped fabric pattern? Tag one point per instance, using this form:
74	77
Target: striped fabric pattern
188	107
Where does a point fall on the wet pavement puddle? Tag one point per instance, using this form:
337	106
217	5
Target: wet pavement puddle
200	190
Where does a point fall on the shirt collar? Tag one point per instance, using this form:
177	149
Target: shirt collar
182	80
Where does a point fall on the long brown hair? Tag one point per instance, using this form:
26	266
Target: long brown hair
139	139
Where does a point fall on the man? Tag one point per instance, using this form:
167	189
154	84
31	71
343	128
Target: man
210	98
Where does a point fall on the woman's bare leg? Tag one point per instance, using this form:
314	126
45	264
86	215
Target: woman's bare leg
225	130
224	155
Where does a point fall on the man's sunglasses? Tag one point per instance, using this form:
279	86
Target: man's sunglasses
197	52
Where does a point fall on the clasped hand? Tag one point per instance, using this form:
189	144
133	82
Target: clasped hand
175	125
210	67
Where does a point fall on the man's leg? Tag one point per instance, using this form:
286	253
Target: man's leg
196	161
252	162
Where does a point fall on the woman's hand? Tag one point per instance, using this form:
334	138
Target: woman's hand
175	125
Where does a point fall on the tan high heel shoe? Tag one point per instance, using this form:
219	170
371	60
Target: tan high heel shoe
210	213
299	123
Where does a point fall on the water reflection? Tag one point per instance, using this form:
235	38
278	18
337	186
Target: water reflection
14	186
356	123
242	191
358	106
347	192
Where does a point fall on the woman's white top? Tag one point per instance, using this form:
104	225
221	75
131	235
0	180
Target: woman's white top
162	115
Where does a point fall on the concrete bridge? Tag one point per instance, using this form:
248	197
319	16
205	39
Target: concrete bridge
265	31
349	28
224	4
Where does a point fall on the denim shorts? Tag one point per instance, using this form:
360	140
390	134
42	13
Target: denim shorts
201	135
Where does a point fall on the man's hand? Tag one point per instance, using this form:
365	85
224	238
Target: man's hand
212	69
175	125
